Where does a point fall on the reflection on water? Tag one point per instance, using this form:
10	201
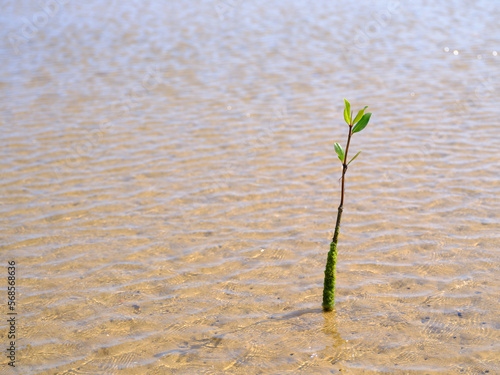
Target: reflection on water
169	185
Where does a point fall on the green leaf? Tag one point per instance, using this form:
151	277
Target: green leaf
340	152
362	123
359	115
347	112
355	156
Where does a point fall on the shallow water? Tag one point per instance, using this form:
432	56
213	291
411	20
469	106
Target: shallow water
169	186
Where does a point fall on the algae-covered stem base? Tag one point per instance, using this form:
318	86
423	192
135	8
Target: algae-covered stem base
331	262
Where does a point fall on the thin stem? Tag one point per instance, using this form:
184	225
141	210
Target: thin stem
344	165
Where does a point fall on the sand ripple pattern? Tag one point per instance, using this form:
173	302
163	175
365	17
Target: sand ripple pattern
169	187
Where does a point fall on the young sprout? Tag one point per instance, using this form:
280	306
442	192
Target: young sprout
355	125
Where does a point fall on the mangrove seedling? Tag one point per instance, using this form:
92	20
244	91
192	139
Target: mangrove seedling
355	124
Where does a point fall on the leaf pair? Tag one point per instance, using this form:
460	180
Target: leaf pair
341	153
360	121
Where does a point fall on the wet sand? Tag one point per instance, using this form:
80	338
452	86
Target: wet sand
169	188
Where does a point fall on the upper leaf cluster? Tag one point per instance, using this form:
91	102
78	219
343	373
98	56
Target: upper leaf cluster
359	123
